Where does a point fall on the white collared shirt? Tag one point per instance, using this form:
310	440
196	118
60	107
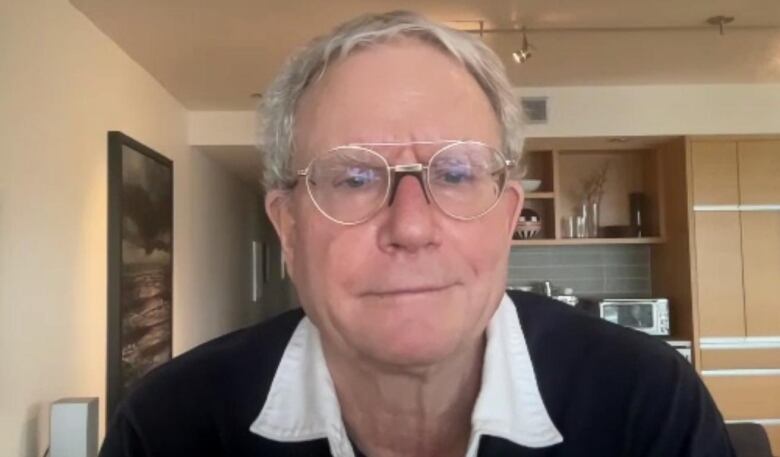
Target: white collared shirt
302	403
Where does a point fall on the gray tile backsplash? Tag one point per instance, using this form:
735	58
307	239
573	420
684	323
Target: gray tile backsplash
592	271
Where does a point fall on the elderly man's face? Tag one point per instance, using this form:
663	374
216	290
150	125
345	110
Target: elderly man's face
411	286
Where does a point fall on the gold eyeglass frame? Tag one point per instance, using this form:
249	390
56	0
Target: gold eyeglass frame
419	170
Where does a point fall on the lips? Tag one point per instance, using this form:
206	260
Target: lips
408	290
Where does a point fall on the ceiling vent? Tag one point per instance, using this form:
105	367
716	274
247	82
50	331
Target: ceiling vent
534	110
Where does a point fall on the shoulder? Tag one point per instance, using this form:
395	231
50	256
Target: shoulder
230	374
249	349
554	330
636	384
580	359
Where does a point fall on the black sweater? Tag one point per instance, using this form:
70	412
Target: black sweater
610	391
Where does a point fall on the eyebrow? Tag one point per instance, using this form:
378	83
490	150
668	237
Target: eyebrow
409	143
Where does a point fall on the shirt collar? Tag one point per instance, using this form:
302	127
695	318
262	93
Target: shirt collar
302	403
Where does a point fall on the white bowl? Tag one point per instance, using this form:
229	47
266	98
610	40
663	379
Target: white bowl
531	185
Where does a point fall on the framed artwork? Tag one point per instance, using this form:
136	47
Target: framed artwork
140	263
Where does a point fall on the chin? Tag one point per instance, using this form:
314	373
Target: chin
404	331
409	335
410	350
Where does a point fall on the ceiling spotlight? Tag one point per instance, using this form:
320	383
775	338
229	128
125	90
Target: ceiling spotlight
720	21
522	55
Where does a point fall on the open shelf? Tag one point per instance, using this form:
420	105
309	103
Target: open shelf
539	195
631	173
587	241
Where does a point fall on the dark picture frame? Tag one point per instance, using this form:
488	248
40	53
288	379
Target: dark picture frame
140	264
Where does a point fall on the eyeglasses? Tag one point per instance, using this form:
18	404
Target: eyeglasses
350	184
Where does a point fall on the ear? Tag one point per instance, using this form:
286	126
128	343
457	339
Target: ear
278	208
515	198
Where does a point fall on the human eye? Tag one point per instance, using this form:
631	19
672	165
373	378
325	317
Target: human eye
453	173
355	177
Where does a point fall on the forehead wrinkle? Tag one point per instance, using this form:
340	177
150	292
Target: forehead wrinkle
365	98
392	153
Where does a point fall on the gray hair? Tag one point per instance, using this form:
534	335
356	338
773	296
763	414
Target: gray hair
277	109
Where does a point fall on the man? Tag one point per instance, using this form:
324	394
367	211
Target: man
389	151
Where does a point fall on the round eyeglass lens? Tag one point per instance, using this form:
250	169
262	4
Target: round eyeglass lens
348	184
466	179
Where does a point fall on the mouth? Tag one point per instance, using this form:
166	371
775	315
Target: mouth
408	291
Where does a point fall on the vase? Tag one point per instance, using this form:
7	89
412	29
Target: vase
592	219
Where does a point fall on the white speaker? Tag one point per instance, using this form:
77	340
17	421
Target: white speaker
73	430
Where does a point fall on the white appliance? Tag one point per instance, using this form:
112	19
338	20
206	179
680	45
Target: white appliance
683	347
650	315
73	429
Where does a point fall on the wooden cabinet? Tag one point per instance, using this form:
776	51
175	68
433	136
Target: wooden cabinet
740	359
736	172
735	188
719	269
761	272
745	397
714	171
738	273
759	172
737	246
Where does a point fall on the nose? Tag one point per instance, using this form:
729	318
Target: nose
409	224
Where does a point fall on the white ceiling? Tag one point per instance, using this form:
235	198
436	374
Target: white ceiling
212	55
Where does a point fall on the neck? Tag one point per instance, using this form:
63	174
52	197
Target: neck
424	412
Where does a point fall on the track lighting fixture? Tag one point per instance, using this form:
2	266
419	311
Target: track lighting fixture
522	55
720	21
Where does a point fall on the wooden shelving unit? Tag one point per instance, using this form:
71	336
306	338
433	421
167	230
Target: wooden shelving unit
539	195
587	241
657	167
562	172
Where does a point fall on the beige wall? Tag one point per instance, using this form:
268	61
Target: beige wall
63	84
222	128
222	224
658	110
589	111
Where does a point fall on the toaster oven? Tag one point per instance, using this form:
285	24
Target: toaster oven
646	315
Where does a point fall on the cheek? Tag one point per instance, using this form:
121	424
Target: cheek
335	263
331	260
484	245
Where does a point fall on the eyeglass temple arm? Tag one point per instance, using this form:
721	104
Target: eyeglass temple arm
508	164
